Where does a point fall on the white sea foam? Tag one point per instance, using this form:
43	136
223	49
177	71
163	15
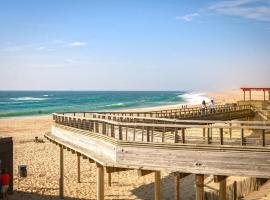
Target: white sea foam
45	95
28	99
194	98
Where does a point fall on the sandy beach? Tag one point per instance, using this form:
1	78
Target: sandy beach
42	160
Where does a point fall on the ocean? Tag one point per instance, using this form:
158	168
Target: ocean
25	103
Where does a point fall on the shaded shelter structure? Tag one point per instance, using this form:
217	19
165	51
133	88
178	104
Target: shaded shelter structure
249	90
6	157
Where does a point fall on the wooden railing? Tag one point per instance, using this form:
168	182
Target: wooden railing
184	113
234	133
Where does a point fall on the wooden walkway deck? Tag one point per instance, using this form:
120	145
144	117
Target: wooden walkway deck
149	143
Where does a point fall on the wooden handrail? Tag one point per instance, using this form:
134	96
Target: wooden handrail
167	131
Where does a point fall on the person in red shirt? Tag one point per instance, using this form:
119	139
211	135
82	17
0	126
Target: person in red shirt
5	184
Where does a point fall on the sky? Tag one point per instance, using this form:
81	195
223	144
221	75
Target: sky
134	44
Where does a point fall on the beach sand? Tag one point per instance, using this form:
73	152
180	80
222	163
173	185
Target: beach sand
42	160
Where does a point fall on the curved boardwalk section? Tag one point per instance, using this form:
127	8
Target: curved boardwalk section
151	143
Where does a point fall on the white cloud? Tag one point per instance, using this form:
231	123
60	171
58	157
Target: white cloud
76	44
250	9
188	17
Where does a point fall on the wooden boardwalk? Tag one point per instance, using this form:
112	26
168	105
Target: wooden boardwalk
162	141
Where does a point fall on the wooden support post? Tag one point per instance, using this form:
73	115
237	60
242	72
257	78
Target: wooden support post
100	182
157	185
235	191
269	95
263	137
61	180
97	127
199	187
163	135
242	137
183	135
148	134
112	131
249	94
120	133
142	133
208	136
221	135
244	95
230	131
222	189
134	134
176	136
103	128
177	187
109	179
203	134
264	95
79	167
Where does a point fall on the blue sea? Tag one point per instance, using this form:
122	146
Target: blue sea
24	103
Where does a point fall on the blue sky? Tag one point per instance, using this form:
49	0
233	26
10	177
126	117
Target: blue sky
134	45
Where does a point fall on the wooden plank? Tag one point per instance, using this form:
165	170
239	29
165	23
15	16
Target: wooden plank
115	169
141	172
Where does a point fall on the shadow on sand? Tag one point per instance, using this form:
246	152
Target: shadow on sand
187	189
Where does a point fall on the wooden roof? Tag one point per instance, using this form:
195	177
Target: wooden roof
255	89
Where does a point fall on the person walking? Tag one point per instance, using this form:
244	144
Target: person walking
5	179
212	106
203	107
